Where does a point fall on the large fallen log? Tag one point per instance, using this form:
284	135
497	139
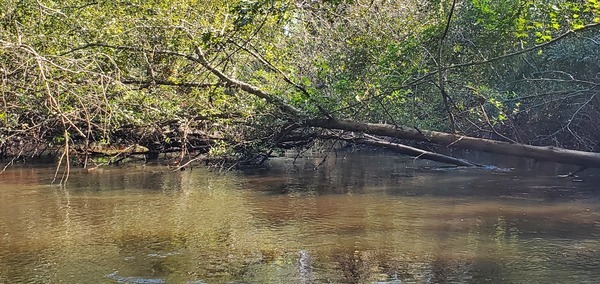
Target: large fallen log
542	153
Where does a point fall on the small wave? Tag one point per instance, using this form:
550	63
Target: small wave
133	280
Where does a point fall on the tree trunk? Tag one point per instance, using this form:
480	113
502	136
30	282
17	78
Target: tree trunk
406	150
548	153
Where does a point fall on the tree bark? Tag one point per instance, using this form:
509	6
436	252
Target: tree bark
407	150
543	153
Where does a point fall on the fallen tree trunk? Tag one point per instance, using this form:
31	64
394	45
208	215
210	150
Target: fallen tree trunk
406	150
543	153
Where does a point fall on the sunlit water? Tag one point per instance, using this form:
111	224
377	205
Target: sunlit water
357	218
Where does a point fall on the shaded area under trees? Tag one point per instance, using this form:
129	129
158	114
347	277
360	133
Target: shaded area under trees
239	80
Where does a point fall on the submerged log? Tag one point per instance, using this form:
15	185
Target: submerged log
542	153
370	140
415	152
113	150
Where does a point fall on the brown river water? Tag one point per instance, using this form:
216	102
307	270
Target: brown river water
357	218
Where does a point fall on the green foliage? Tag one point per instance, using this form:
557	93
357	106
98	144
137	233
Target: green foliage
248	12
95	67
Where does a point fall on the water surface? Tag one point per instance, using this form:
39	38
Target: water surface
357	218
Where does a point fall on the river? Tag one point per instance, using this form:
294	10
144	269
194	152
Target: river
357	218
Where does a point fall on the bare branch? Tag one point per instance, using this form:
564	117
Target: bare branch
285	78
171	83
245	86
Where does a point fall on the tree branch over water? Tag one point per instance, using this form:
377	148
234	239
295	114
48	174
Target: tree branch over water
247	71
553	154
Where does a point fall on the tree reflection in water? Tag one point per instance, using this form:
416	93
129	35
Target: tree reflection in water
359	219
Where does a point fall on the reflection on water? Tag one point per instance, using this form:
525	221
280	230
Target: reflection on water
360	218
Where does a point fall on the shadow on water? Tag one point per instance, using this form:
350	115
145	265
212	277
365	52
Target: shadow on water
358	218
393	175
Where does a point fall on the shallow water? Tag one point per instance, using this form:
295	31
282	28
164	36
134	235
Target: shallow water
357	218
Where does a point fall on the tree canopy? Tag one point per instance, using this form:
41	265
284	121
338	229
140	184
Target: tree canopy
244	78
